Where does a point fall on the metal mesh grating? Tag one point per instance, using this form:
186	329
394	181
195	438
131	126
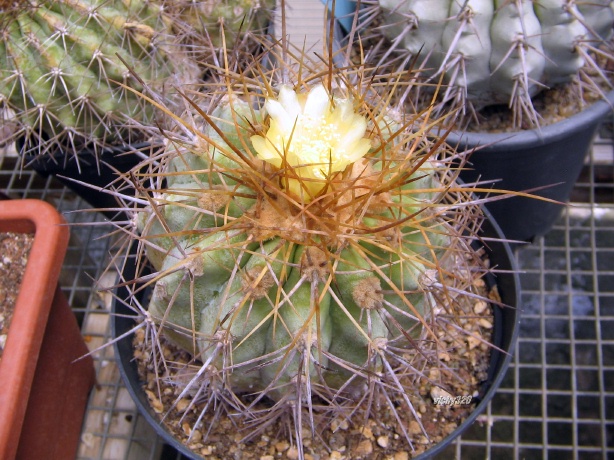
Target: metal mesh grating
557	400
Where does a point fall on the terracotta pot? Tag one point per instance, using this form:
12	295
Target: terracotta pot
43	390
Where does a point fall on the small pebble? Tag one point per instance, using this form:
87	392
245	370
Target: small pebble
292	453
282	446
485	323
363	448
197	436
367	432
443	356
156	404
383	441
479	307
414	427
401	456
182	405
472	342
339	424
439	393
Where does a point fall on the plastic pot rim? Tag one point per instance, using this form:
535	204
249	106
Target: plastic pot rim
523	139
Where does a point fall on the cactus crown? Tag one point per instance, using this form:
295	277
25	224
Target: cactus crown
207	28
308	244
311	139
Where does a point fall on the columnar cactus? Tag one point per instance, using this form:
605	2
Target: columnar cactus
502	51
61	72
306	243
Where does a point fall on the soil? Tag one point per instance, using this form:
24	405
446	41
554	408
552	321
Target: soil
14	251
373	433
552	105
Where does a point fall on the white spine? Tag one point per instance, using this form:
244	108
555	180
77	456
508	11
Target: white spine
599	16
467	37
419	24
517	55
562	30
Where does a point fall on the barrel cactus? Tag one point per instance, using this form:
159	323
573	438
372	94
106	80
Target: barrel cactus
266	276
309	250
503	51
66	69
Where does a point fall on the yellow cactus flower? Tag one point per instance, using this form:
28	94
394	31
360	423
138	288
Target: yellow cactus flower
311	138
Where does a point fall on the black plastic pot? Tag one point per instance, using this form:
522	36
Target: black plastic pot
550	157
98	169
506	320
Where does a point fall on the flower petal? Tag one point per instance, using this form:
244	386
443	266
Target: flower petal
278	114
311	139
289	100
318	103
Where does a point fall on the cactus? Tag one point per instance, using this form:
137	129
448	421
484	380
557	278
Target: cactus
503	51
64	72
309	250
248	254
207	29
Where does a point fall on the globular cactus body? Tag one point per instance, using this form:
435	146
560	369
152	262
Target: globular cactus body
280	266
61	72
499	51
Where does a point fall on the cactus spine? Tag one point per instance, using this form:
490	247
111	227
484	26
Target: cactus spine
61	74
503	51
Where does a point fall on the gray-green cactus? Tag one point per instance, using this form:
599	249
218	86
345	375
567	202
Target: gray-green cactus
61	72
309	249
296	243
501	51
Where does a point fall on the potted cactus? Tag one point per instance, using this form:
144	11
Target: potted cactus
72	70
506	52
66	77
67	83
302	259
43	386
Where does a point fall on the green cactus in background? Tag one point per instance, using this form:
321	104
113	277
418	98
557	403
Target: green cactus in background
502	51
306	242
210	28
62	75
